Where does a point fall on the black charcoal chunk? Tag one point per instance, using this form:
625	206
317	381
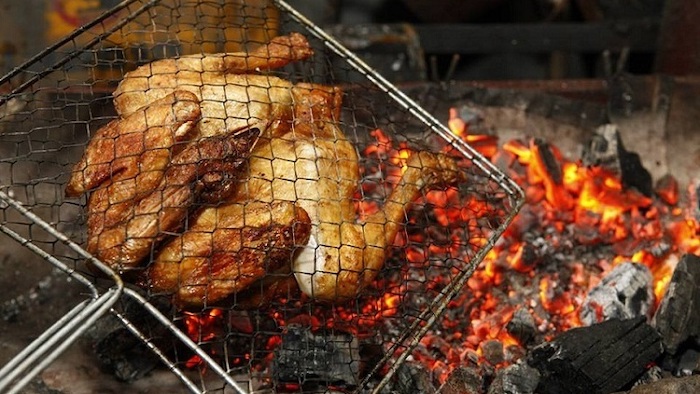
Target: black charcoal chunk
410	378
601	358
606	150
316	358
522	326
463	380
678	317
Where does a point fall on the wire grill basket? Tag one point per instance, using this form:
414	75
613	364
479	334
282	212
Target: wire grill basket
52	106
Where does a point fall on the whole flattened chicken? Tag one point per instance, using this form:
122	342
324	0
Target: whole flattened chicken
292	209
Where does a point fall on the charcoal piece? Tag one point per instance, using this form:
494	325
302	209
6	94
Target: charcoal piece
678	317
492	350
624	293
684	385
410	378
550	162
316	358
522	326
600	358
606	150
119	352
463	380
688	362
125	356
515	379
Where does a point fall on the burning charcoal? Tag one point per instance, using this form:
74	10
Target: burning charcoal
600	358
410	378
606	150
626	292
549	170
463	381
515	379
522	326
678	316
689	384
493	351
316	358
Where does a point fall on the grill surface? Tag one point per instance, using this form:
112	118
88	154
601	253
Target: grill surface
54	103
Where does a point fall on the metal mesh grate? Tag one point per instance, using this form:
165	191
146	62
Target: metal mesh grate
257	325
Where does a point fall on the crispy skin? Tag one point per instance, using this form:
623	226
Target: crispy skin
231	100
122	234
227	249
145	139
347	254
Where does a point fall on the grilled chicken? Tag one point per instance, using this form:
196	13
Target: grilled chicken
227	249
267	158
314	166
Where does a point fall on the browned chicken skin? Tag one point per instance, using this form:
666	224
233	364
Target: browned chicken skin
292	211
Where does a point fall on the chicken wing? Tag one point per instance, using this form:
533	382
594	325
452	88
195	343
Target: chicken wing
146	138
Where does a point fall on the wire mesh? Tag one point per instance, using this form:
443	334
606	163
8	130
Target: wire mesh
244	293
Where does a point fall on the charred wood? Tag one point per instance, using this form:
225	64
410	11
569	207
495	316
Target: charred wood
667	189
119	352
411	378
600	358
492	350
606	150
625	293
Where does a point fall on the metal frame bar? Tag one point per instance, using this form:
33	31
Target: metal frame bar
53	341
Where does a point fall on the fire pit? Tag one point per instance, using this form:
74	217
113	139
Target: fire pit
592	288
62	98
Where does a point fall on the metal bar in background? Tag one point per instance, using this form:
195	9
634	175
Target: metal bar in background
595	37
